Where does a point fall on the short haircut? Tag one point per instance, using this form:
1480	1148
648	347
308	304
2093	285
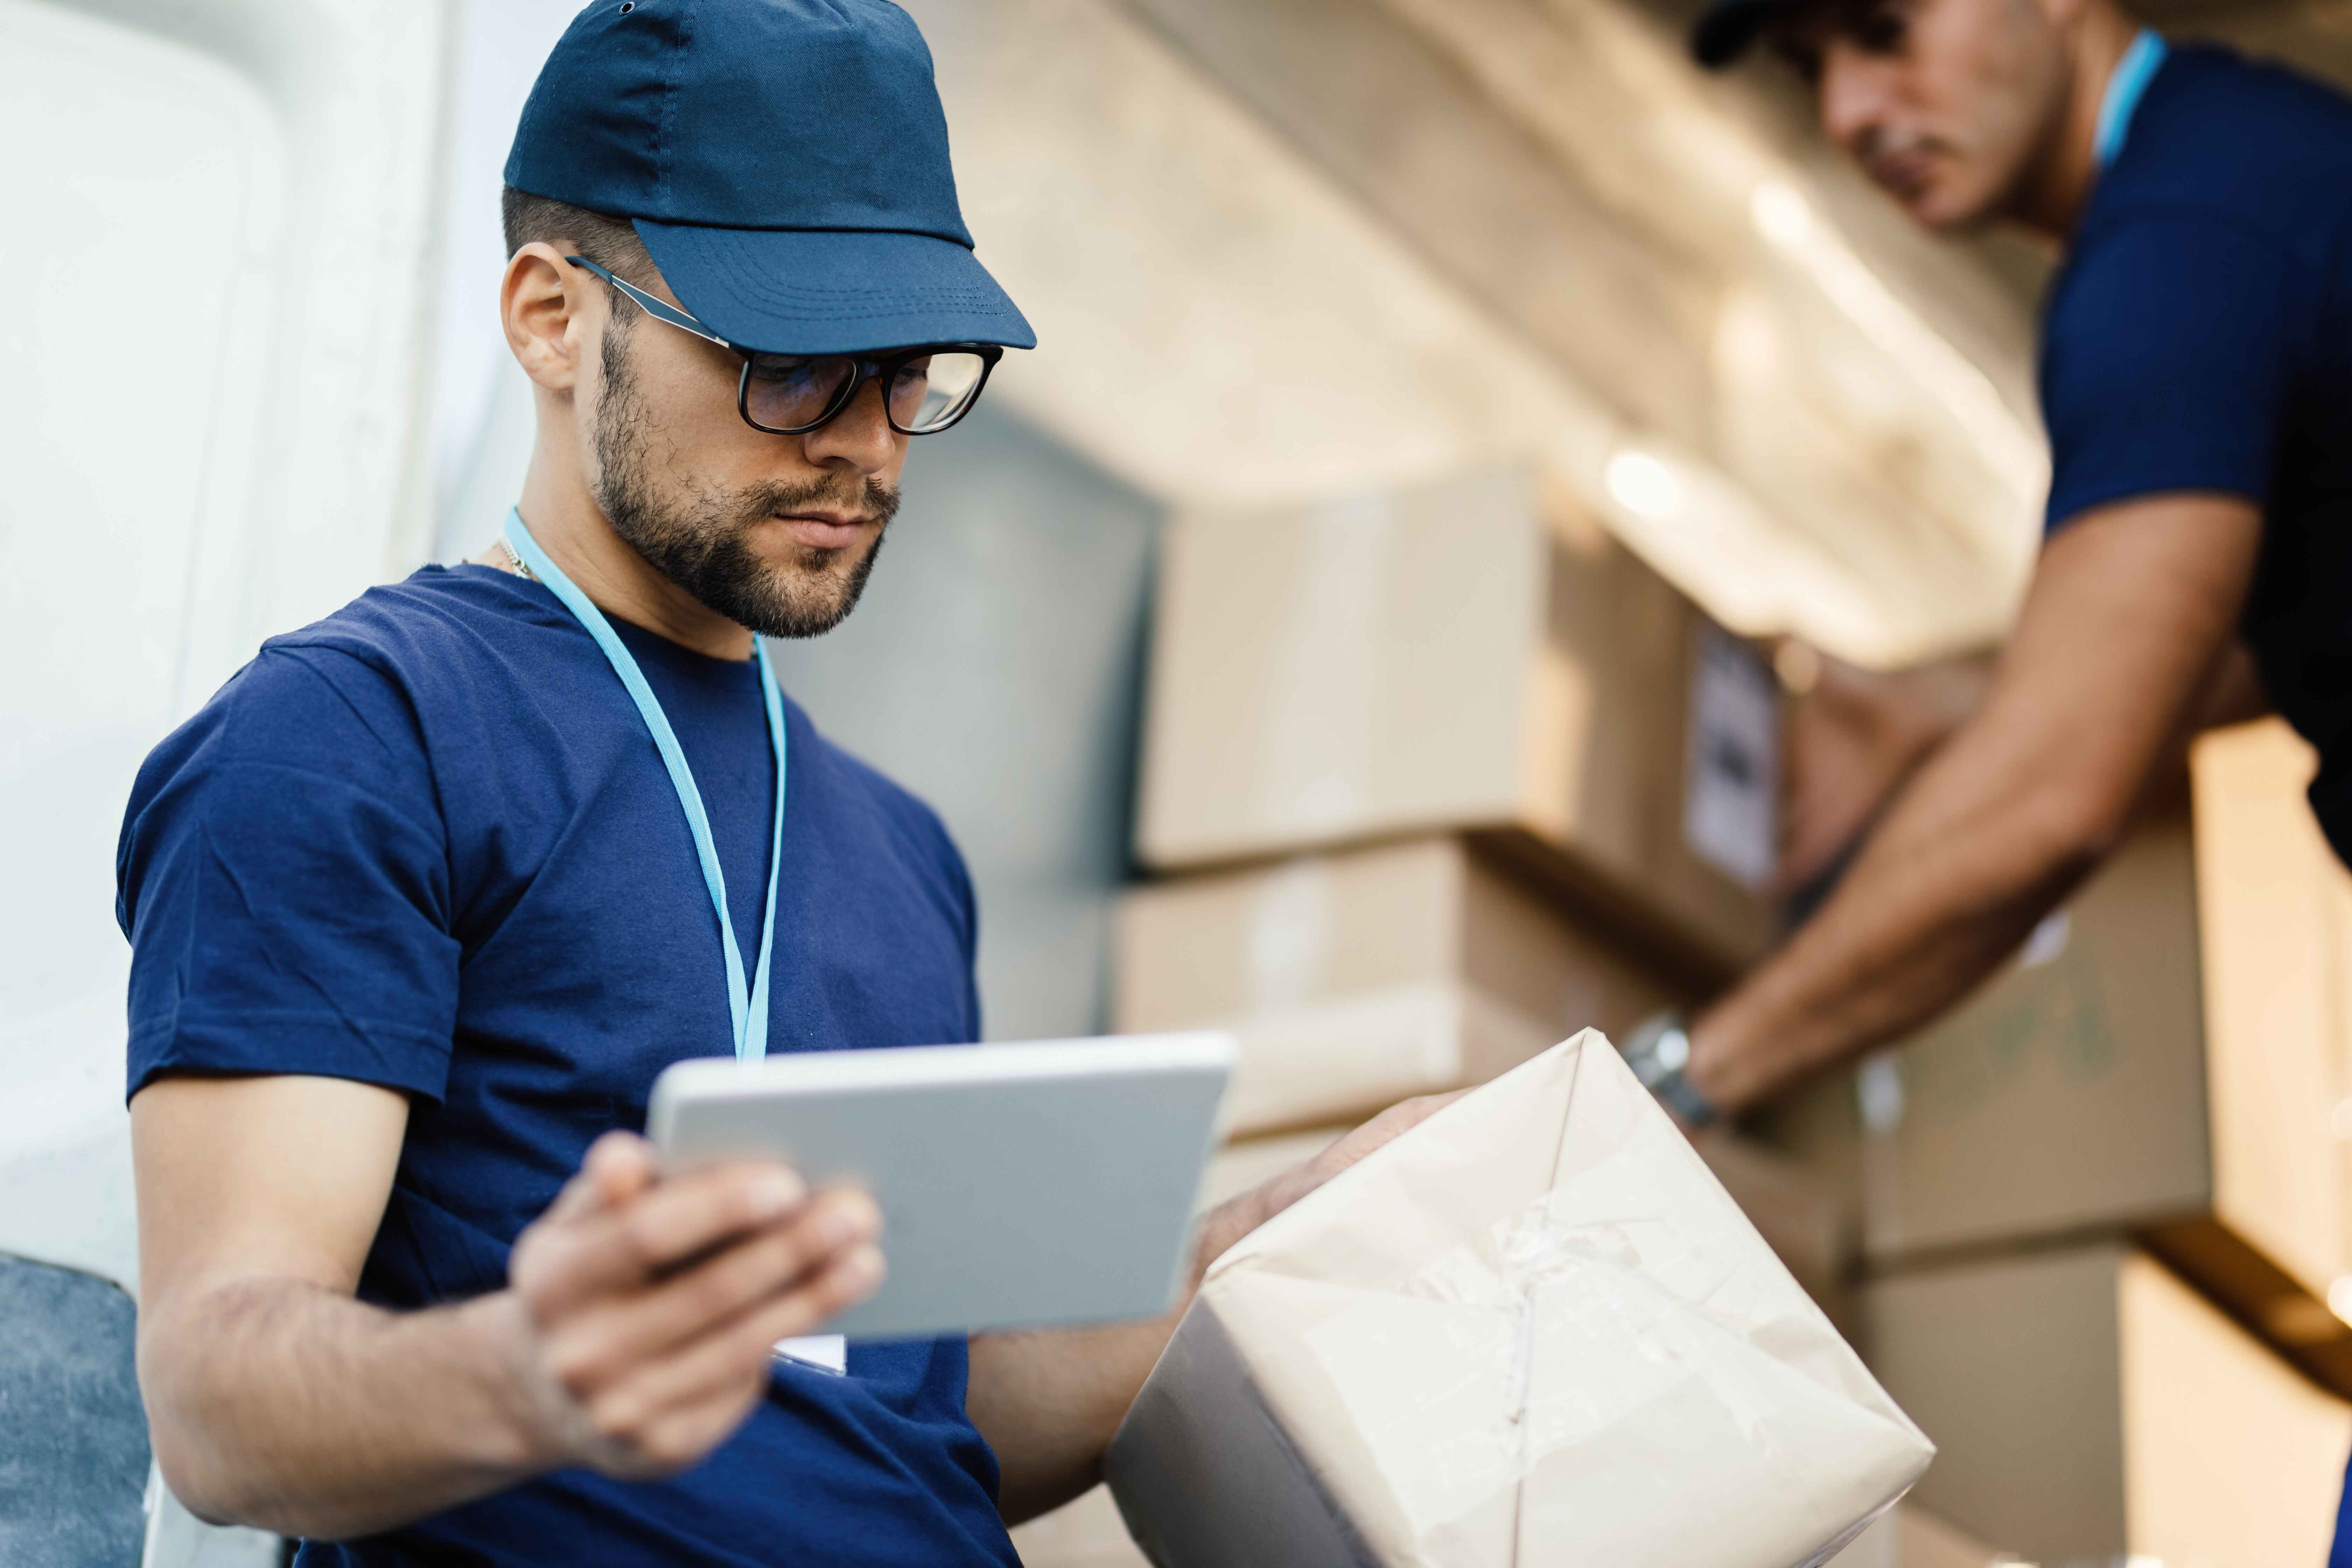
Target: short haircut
610	242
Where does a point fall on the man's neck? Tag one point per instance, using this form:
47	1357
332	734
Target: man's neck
567	523
2051	199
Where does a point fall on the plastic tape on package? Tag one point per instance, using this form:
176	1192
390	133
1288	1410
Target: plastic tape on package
1534	1330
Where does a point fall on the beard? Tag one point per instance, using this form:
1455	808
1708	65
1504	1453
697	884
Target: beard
701	539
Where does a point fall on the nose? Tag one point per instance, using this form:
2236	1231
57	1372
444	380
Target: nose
858	438
1852	98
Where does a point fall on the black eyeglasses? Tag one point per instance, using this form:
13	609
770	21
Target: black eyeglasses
924	390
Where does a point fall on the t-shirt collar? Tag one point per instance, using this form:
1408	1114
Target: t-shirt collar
2126	84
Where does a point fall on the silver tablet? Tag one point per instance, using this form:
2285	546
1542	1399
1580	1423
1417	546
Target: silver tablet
1021	1185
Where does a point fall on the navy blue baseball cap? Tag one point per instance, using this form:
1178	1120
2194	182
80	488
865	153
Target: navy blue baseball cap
1725	28
785	163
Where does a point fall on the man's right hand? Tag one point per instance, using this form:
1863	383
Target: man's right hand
643	1312
1851	741
632	1336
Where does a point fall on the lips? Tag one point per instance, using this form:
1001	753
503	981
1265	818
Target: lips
1903	176
824	530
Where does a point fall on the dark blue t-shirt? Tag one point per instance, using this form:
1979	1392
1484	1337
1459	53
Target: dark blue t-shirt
2199	338
427	843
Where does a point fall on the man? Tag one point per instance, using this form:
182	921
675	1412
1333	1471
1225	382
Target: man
2196	379
425	899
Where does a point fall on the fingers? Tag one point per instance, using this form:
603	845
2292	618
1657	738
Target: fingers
608	1337
1273	1196
599	1248
1346	1150
1390	1124
661	1403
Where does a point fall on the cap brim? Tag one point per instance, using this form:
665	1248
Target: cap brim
831	291
1724	32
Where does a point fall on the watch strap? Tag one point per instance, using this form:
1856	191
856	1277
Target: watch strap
1658	1050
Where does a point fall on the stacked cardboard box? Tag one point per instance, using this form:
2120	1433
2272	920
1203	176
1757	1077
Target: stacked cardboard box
1357	979
2165	1067
2087	1406
1471	655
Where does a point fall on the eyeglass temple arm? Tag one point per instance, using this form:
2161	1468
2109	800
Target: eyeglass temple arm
653	307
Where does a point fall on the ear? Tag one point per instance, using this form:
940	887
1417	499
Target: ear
551	310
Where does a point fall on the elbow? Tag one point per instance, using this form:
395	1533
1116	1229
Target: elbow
182	1457
195	1449
189	1487
203	1474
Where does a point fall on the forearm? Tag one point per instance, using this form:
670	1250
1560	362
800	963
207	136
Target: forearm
2132	607
1050	1401
279	1404
1960	872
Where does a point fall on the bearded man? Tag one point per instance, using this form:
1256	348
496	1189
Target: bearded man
426	896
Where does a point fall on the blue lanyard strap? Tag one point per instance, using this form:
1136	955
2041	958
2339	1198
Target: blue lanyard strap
749	1010
2125	86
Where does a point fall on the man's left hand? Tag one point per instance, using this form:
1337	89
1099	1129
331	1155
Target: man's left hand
1049	1402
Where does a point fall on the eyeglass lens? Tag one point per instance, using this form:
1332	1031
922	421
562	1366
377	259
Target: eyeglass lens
791	393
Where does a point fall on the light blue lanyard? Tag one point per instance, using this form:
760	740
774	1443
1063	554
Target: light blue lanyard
749	1011
2129	80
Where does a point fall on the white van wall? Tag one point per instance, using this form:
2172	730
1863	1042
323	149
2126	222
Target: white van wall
219	218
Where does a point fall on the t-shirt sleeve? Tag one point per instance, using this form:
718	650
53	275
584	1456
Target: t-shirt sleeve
968	898
283	878
963	903
2166	364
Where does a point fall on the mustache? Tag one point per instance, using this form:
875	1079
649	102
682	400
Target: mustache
866	496
1877	144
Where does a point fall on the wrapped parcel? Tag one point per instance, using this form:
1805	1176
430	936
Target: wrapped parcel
1533	1330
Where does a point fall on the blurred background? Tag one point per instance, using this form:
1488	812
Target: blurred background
1470	456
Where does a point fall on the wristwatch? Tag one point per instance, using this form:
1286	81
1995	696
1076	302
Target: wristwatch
1658	1051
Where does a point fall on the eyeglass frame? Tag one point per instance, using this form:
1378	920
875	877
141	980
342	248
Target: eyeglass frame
865	367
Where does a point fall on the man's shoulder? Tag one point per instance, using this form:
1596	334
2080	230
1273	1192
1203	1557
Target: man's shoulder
434	621
355	688
2236	176
2234	141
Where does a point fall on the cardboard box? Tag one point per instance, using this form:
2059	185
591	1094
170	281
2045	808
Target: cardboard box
1778	1196
2085	1405
1464	655
1533	1328
1356	980
2166	1056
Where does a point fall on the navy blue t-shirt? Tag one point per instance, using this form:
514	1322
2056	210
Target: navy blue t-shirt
2199	338
427	843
